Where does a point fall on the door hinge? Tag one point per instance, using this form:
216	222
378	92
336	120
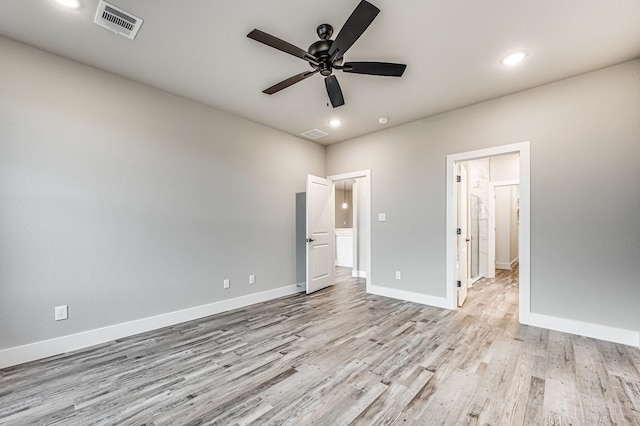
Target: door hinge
459	283
458	178
459	231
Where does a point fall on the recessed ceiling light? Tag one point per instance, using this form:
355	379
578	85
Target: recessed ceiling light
73	4
513	58
383	120
335	122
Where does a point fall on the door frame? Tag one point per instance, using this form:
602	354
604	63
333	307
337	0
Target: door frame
365	176
524	245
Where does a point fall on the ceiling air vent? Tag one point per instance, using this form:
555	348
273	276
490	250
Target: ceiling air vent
115	19
314	134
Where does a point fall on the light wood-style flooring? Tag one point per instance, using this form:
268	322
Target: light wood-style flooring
337	357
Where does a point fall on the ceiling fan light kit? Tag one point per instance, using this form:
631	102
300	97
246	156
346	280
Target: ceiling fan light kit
326	55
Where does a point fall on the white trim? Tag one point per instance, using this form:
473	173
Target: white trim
72	342
474	280
514	262
596	331
522	148
507	265
366	189
355	223
410	296
359	274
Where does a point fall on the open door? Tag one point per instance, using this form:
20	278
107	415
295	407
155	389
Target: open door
320	233
462	241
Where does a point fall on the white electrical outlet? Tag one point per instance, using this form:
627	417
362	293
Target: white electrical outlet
61	313
226	283
398	275
252	279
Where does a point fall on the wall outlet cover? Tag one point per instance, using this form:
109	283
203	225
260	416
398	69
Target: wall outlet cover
226	283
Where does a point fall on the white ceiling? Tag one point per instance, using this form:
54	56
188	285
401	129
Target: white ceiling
198	49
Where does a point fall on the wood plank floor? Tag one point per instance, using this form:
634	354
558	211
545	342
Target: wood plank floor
337	357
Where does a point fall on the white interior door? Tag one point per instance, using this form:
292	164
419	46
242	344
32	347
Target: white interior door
320	233
462	241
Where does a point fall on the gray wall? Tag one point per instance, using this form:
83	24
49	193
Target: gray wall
585	186
126	202
301	240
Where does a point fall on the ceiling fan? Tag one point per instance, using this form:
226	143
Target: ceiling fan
325	55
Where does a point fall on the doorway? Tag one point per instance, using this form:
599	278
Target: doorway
346	256
452	237
360	199
487	200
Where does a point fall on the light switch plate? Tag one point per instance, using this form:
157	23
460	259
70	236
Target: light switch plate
61	313
382	217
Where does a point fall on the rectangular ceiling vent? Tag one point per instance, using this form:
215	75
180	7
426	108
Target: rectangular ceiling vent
115	19
314	134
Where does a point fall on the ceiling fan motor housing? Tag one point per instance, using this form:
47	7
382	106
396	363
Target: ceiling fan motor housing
320	49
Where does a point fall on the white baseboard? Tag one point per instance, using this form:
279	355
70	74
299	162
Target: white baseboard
472	281
596	331
59	345
508	266
409	296
359	274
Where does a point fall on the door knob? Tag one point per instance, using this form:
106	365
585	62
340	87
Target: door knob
310	240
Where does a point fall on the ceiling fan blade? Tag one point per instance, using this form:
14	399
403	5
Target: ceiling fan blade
334	91
358	22
288	82
281	45
375	68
